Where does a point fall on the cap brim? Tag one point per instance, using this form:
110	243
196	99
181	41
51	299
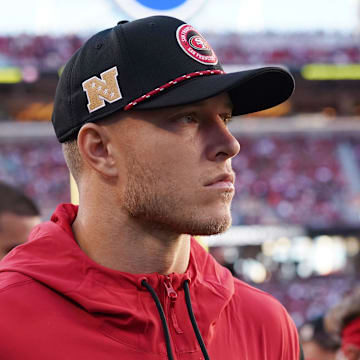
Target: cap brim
249	90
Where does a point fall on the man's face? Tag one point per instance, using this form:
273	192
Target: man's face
175	166
14	230
313	351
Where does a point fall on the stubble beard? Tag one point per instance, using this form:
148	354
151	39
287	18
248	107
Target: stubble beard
163	206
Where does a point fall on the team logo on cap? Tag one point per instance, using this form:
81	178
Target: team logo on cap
100	90
198	43
195	45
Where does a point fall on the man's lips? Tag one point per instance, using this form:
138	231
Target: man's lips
225	180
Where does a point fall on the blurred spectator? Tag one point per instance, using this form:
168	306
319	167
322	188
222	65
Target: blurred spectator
39	169
344	321
18	215
316	342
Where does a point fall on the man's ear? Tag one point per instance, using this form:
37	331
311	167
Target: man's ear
95	149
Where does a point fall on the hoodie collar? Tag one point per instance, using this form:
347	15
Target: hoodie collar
53	257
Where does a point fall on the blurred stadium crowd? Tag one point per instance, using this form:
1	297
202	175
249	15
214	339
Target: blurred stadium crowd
307	299
39	170
49	53
295	180
43	52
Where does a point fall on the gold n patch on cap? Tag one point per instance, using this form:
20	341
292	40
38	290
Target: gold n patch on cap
100	90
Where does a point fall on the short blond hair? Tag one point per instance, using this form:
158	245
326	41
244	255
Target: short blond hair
71	151
73	158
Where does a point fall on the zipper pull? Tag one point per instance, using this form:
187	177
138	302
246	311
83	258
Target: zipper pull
171	293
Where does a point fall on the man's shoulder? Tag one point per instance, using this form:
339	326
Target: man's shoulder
257	303
11	280
243	288
257	312
18	292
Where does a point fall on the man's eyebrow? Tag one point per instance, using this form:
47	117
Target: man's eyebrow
227	104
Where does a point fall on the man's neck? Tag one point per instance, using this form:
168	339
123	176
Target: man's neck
129	245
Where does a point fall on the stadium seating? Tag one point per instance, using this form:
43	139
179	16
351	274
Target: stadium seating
49	53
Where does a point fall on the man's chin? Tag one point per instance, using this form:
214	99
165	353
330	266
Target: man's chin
211	227
197	222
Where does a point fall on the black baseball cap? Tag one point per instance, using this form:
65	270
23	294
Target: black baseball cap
152	63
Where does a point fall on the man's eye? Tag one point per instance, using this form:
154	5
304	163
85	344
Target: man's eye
187	119
227	119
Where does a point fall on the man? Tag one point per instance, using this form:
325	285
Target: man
316	342
142	112
343	321
18	215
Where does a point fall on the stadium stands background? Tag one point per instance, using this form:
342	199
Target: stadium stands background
299	163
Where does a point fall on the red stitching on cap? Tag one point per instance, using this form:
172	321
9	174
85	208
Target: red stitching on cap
171	83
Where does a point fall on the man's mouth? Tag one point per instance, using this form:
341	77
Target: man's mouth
222	181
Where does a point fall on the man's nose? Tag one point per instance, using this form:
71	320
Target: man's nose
222	144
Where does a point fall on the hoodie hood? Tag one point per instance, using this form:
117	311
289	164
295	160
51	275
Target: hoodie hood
53	258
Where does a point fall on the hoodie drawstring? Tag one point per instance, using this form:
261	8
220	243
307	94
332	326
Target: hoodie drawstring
193	320
162	316
165	325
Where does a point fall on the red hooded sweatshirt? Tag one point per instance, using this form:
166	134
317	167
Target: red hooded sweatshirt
56	303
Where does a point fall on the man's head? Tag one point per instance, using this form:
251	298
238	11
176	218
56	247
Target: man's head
142	108
316	342
170	167
18	215
343	321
